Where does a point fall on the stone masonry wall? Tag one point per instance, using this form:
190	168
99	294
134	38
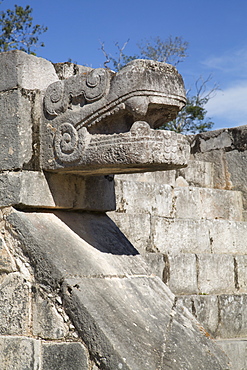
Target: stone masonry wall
35	331
190	225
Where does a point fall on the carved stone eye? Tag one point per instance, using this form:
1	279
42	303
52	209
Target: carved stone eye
93	78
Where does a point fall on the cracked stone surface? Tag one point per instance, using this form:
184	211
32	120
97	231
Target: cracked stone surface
124	314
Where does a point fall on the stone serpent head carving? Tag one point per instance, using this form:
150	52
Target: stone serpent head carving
91	120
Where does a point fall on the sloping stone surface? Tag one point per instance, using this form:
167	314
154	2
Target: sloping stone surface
127	318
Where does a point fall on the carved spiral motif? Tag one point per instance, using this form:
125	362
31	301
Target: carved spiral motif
66	143
96	84
54	98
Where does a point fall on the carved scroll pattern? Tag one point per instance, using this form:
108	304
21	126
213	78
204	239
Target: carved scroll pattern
67	146
89	87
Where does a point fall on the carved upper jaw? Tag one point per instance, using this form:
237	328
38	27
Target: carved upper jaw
88	121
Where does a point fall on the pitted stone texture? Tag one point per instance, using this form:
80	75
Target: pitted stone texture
173	335
95	122
7	263
47	323
140	197
179	202
75	150
19	353
15	305
21	70
39	190
99	247
240	264
156	263
157	177
226	150
233	316
199	236
198	173
236	351
222	316
181	271
205	308
125	317
216	274
187	359
167	232
135	227
16	130
198	203
64	356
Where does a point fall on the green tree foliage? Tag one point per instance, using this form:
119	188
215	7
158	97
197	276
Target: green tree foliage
17	30
192	118
171	50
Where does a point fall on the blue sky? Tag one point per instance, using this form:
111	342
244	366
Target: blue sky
215	29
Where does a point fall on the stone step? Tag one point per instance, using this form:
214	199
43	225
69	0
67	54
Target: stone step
223	316
127	320
180	202
203	274
169	235
198	173
236	350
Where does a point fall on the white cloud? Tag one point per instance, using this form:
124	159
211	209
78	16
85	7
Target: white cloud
231	62
230	105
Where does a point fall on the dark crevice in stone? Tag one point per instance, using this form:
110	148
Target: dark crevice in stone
166	271
236	282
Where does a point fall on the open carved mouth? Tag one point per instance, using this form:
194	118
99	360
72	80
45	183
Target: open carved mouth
100	121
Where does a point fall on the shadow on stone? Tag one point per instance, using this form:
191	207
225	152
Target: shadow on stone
99	231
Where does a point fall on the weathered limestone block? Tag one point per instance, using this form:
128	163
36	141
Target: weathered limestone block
228	237
140	197
15	305
99	247
156	263
64	356
39	190
136	227
126	317
19	353
226	149
181	327
180	202
233	316
47	323
7	263
216	274
199	236
16	130
240	264
222	316
170	236
181	272
236	351
198	173
198	203
157	177
205	308
21	70
236	167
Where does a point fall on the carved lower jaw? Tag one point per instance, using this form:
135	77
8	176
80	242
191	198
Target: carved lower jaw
139	150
